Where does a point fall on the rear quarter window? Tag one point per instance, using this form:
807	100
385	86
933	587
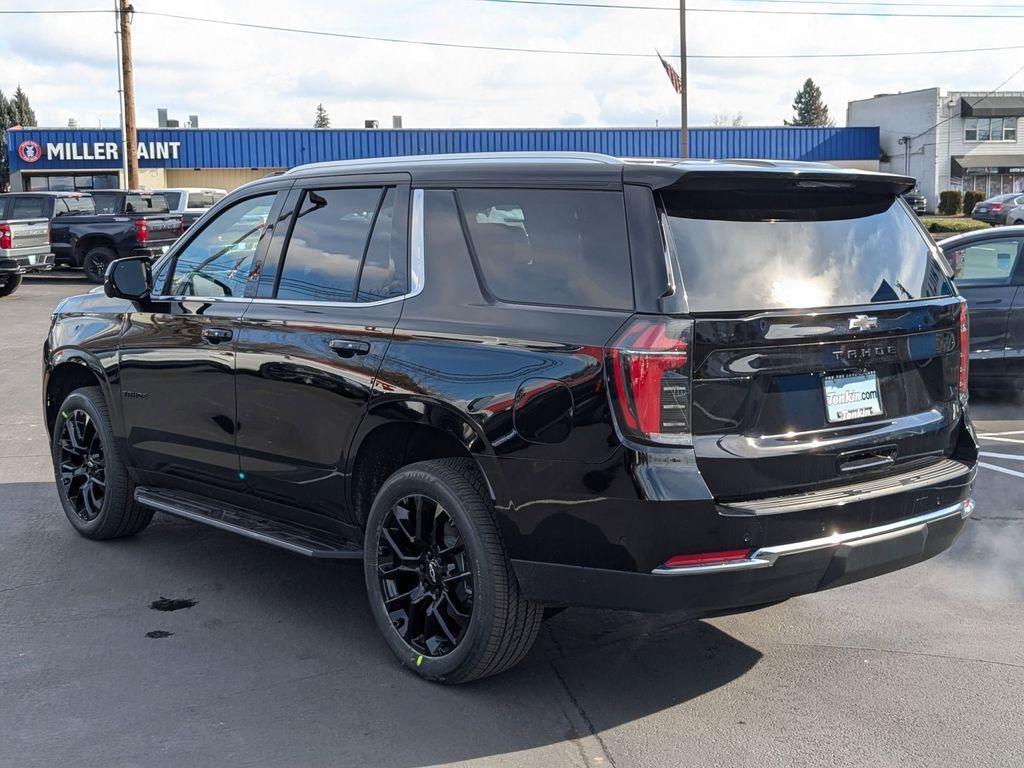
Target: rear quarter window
549	246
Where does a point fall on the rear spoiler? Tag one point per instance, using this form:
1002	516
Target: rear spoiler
728	174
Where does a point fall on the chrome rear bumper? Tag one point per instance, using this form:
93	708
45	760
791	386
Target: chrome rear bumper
766	557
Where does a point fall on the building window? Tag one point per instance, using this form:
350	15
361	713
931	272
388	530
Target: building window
990	129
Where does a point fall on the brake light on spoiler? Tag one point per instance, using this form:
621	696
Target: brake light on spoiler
650	379
963	323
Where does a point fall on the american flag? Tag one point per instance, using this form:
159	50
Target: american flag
677	81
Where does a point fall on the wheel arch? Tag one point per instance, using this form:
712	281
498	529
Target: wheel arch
90	241
397	433
70	370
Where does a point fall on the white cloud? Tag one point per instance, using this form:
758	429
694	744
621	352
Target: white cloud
237	77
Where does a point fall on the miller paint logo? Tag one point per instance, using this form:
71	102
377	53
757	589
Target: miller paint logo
30	151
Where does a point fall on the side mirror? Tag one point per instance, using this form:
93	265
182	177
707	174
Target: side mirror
130	278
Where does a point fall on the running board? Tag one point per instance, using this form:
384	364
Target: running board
311	542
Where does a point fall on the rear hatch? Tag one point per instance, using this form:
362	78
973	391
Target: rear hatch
824	342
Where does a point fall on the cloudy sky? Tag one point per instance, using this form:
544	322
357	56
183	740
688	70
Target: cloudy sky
237	77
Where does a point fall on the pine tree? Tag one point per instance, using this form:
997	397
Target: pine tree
21	110
808	108
323	120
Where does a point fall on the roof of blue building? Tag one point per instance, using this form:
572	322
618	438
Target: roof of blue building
46	148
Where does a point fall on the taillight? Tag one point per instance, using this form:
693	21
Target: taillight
650	372
5	237
141	231
963	322
996	207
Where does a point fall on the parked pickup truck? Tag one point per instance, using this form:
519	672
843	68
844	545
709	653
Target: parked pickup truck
191	202
24	245
91	230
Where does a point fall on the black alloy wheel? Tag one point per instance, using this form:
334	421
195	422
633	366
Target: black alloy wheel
425	576
82	464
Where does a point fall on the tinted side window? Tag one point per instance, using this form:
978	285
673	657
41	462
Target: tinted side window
28	208
383	272
551	246
323	253
988	263
218	260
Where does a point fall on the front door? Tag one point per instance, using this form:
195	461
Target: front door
310	345
178	354
985	272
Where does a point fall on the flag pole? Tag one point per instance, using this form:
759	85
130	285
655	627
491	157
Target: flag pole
684	143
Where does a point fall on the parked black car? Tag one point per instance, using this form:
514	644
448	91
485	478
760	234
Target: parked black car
512	382
90	237
994	210
989	272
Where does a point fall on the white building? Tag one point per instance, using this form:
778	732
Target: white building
962	140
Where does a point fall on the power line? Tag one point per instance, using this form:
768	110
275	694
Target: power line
52	11
995	15
560	52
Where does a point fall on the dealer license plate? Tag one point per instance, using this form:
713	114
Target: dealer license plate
854	396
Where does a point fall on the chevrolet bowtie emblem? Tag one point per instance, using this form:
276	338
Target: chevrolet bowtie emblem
863	323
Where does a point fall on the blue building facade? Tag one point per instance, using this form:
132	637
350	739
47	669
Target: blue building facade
47	158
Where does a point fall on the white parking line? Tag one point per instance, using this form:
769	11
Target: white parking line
1003	439
1012	456
1005	471
1011	432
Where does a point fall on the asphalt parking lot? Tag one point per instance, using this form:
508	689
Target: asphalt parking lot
277	661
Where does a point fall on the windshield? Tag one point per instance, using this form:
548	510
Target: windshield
739	250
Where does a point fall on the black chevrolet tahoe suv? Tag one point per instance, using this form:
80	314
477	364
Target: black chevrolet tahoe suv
512	383
88	231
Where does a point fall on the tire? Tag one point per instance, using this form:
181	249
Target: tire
95	263
92	480
9	284
1018	222
501	625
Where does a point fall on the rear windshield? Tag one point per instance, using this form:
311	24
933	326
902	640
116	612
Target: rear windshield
203	199
76	205
154	203
741	250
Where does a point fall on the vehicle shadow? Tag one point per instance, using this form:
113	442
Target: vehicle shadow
279	661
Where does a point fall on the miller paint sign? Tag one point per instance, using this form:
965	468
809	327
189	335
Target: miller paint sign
31	151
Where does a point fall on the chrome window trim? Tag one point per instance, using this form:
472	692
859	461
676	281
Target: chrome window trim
765	557
417	276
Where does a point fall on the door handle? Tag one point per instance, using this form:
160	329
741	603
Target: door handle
349	347
216	335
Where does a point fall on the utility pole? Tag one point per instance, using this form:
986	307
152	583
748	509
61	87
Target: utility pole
120	92
905	141
684	143
130	139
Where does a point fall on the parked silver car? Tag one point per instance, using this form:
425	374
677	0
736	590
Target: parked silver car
1015	215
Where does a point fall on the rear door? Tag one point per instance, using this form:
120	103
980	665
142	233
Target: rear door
985	276
824	344
312	340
